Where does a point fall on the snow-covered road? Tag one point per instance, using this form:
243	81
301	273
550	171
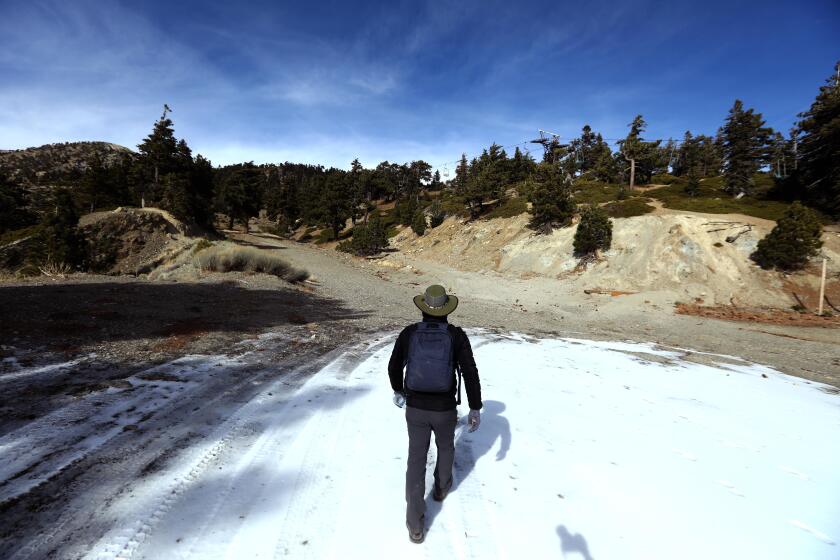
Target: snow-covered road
586	450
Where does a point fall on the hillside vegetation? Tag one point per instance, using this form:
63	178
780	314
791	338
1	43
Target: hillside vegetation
746	168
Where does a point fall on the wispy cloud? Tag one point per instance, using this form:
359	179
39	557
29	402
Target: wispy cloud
391	80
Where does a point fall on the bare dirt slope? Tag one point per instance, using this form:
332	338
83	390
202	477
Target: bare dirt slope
684	256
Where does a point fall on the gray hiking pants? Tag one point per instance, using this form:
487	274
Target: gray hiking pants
421	424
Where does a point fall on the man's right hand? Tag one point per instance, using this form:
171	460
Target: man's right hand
399	399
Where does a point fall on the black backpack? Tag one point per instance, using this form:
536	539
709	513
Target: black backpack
431	359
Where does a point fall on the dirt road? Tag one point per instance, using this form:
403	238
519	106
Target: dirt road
546	306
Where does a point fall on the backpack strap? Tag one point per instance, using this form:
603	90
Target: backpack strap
453	333
458	369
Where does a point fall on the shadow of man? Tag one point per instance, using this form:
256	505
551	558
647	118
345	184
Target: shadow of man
573	543
470	447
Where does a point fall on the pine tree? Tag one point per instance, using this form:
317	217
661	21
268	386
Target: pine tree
368	239
594	232
794	240
710	154
818	149
638	153
436	214
201	175
60	237
336	202
238	193
744	148
418	222
604	166
95	183
551	199
587	148
158	156
436	184
692	186
462	173
14	212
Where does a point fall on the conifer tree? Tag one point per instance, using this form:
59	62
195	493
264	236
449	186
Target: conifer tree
418	222
794	240
335	202
640	155
14	212
60	237
594	232
368	239
489	175
238	193
462	174
436	184
692	186
158	155
551	199
95	182
586	150
818	166
744	145
603	167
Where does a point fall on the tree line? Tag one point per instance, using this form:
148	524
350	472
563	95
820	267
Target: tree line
165	173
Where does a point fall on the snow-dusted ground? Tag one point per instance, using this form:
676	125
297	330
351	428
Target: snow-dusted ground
586	450
41	449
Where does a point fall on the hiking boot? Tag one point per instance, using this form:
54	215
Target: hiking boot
416	538
438	494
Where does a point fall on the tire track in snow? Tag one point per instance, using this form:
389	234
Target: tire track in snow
124	541
37	452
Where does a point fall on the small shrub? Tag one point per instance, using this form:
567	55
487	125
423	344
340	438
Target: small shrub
794	240
418	223
436	214
663	179
593	232
628	208
595	192
622	193
201	245
28	270
508	209
229	257
454	205
281	229
325	236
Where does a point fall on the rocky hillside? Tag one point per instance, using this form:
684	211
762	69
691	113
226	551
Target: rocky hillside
685	255
57	161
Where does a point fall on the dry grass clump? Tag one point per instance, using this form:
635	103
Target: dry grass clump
229	257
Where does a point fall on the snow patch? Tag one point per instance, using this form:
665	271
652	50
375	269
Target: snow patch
584	451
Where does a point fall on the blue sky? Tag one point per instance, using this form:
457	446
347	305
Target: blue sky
324	82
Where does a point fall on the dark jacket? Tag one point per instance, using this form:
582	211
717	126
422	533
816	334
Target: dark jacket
463	358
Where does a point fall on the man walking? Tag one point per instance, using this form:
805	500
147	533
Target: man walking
430	352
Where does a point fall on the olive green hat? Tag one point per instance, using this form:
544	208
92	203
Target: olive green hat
436	302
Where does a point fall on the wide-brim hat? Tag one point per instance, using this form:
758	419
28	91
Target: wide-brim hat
436	302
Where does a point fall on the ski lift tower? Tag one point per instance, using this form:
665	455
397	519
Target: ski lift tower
550	142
